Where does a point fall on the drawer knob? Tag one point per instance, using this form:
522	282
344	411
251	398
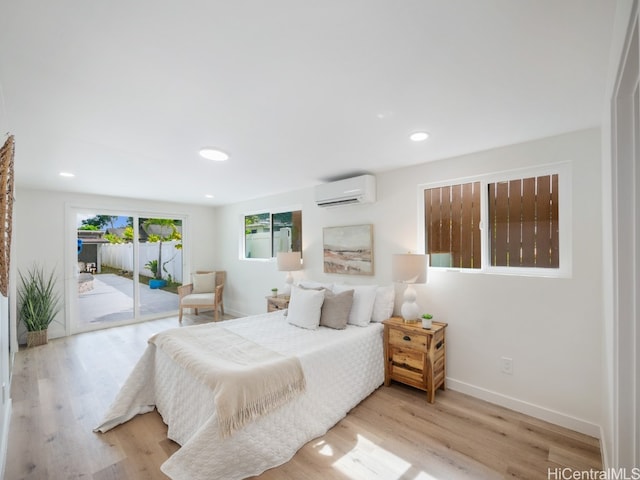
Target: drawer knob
406	338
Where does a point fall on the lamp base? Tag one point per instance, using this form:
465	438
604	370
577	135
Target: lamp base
410	310
288	281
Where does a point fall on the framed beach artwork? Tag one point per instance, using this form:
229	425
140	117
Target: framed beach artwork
348	250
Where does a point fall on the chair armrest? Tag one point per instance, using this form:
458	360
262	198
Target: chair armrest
184	290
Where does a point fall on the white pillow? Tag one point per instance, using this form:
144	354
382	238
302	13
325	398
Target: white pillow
362	307
312	284
384	303
305	307
204	282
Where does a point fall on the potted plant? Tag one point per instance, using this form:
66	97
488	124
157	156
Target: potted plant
156	281
38	303
160	230
274	292
426	321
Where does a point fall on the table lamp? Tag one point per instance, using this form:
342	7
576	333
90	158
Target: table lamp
289	262
410	268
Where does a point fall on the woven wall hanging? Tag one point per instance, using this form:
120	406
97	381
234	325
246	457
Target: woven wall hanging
6	211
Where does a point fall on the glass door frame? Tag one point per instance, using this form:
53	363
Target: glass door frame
72	312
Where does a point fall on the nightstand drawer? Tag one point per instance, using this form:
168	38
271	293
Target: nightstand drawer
408	340
280	302
272	307
407	358
405	375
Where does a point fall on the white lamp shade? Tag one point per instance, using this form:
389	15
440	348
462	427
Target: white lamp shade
289	261
409	268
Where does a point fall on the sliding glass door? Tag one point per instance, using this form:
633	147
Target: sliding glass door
160	260
127	269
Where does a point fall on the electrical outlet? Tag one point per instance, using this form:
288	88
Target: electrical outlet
506	365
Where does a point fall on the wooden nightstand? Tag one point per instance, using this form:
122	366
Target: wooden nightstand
277	303
415	356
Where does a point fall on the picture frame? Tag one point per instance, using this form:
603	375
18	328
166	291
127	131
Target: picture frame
348	249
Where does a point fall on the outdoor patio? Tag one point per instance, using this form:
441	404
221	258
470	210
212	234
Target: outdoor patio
111	300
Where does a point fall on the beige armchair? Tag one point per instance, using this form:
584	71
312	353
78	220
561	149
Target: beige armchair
205	291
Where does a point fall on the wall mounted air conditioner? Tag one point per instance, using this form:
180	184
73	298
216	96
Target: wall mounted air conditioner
349	191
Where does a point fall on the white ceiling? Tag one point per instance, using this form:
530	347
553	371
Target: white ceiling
124	93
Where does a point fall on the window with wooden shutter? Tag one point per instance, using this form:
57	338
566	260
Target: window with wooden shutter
452	223
508	222
523	222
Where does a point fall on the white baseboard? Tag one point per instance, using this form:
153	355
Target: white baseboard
527	408
4	437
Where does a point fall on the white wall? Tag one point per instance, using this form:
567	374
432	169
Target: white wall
550	327
40	231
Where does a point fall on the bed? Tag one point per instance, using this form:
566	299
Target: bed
340	367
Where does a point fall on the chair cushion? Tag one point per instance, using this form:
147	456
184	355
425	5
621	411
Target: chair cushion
204	282
198	299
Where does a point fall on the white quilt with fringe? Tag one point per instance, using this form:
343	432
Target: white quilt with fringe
247	379
341	368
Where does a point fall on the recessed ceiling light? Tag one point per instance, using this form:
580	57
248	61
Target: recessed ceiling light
208	195
419	136
66	174
215	154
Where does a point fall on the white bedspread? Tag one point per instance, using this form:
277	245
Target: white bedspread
341	368
246	379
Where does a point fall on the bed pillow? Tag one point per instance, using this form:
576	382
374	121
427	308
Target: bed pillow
305	307
384	303
315	285
336	309
363	298
204	282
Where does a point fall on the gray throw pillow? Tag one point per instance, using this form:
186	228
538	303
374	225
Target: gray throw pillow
336	309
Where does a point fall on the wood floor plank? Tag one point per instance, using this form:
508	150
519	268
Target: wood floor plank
115	471
61	390
414	439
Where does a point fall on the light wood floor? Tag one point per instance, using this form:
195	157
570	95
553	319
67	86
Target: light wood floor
61	390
